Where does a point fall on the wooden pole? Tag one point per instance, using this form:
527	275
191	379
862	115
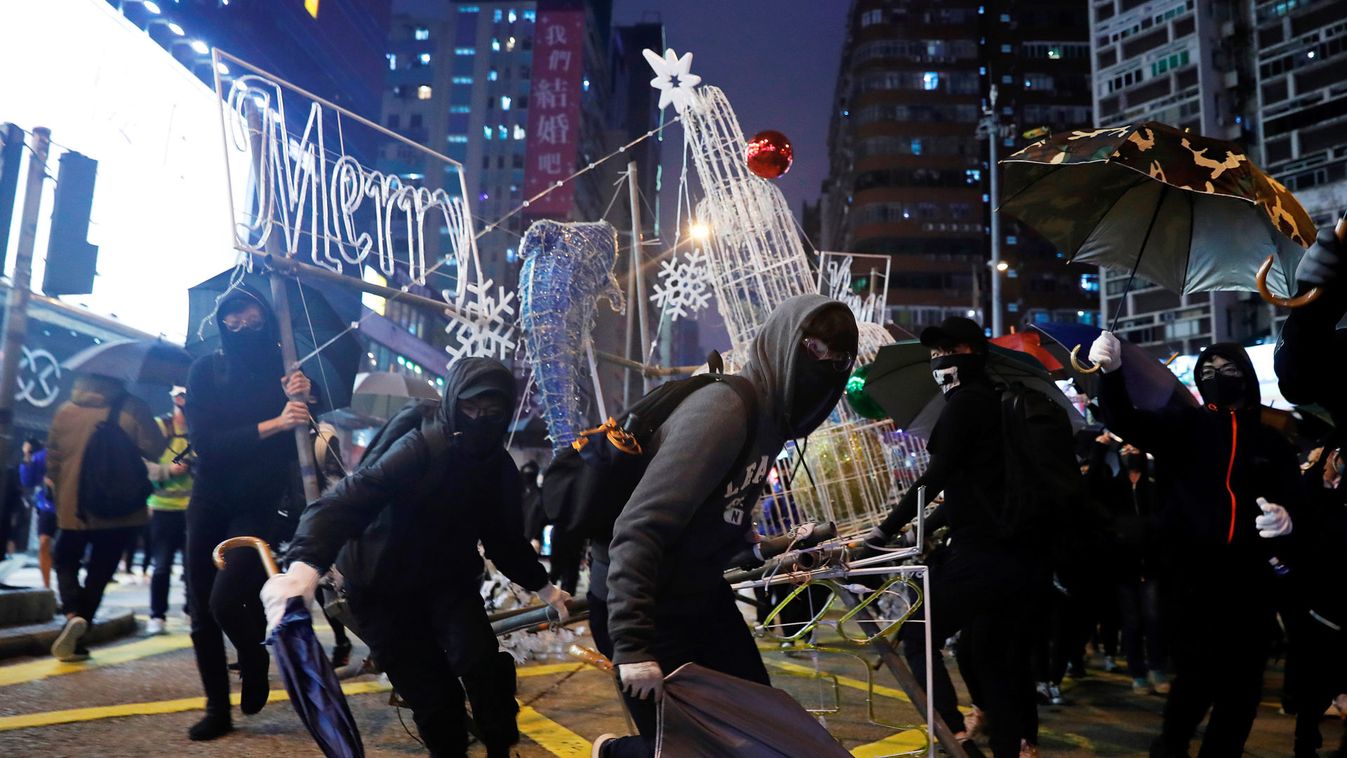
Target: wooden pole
16	315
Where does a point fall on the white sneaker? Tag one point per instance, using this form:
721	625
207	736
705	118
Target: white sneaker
599	742
155	626
63	649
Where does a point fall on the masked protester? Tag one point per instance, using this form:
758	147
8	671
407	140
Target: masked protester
410	520
981	585
1227	482
239	409
658	598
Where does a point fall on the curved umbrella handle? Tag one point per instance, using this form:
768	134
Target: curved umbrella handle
1299	301
256	543
1077	365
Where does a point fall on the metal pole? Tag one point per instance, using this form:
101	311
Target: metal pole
16	317
993	141
633	194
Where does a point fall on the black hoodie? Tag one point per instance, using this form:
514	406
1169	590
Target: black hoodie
229	393
1211	466
413	514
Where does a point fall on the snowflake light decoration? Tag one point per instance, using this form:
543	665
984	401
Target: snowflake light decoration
684	287
667	70
485	325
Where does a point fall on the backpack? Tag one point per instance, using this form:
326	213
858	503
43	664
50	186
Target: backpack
1043	483
114	482
588	483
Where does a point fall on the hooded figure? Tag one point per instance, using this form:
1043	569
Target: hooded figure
240	416
659	585
1220	475
403	530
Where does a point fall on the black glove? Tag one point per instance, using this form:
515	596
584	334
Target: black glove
1323	262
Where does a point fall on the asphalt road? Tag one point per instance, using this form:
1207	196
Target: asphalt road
137	697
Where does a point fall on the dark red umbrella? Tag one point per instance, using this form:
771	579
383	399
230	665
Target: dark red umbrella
1029	342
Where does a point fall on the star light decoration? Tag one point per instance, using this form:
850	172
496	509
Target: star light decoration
673	78
684	287
485	325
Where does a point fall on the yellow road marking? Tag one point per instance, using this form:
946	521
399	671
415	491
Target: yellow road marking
909	741
33	671
552	736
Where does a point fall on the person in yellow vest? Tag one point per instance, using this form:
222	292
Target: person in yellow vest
172	479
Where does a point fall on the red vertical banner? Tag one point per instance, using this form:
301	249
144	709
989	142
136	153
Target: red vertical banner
554	109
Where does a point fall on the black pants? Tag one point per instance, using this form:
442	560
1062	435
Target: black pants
705	629
1142	637
567	551
984	593
426	645
1316	667
224	602
168	535
140	537
105	548
1224	631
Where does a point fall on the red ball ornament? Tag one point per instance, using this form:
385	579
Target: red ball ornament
769	154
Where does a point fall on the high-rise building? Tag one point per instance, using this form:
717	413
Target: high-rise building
1302	50
1188	63
909	174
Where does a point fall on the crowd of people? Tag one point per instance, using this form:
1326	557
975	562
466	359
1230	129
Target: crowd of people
1188	539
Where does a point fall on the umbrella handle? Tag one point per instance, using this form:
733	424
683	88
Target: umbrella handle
1299	301
257	543
1077	365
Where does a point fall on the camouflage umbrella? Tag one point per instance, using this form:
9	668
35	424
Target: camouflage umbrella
1186	212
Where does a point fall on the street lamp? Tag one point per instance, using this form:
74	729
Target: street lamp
1002	266
700	231
990	128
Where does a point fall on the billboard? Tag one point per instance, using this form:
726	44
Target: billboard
554	109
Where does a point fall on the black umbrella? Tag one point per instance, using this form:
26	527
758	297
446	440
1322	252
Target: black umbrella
134	362
714	715
315	691
1150	384
900	381
382	394
321	317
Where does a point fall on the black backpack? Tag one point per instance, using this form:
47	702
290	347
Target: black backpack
1043	483
113	479
587	484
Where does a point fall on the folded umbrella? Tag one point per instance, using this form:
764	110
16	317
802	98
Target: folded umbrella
1150	384
713	715
134	361
900	381
382	394
315	691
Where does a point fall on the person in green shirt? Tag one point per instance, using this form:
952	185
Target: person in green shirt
172	479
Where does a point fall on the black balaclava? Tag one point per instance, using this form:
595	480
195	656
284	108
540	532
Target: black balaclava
477	377
482	436
1222	391
957	369
1134	461
817	383
256	350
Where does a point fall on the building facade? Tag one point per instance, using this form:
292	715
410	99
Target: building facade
909	174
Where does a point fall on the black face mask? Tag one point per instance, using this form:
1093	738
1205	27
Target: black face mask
249	346
1134	461
1222	390
480	437
951	371
816	383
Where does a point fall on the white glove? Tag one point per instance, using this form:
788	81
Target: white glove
642	680
300	580
1275	521
1106	352
556	597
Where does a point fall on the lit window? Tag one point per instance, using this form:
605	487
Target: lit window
530	15
497	15
492	75
465	51
870	18
916	147
421	32
504	131
469	9
518	132
461	80
1054	53
486	132
457	138
509	44
930	80
513	16
495	45
392	62
423	92
585	84
505	102
460	109
423	59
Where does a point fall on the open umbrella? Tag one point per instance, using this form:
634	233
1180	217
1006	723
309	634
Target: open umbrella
1029	343
1187	212
1150	384
321	317
900	381
714	715
383	393
314	689
134	361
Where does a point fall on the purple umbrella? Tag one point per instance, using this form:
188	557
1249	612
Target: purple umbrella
1150	384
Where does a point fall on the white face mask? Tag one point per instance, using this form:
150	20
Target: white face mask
946	378
540	480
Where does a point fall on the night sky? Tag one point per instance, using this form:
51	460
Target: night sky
777	62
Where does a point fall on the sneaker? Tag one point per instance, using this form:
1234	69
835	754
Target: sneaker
1054	697
1159	683
975	723
155	626
63	649
599	743
1141	685
1044	692
1028	749
1110	665
341	655
210	727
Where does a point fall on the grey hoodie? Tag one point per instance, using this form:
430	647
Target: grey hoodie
684	522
